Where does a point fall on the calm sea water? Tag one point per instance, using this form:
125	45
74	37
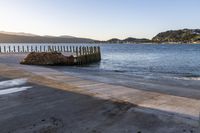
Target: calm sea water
171	69
180	61
152	60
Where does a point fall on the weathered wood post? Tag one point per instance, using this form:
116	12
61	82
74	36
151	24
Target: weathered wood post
36	50
86	55
99	53
55	48
83	51
44	48
23	49
83	57
40	48
48	48
76	58
9	48
73	49
18	49
61	49
58	49
27	47
95	53
14	48
52	48
87	49
70	48
76	51
80	55
90	52
4	47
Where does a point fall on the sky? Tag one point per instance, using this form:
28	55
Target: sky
98	19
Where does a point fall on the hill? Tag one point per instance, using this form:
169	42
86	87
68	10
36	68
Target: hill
9	37
127	40
178	36
171	36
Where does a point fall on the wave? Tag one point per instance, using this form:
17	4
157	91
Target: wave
188	78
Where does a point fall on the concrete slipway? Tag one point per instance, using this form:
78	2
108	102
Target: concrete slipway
52	102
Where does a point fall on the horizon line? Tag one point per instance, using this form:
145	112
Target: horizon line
74	36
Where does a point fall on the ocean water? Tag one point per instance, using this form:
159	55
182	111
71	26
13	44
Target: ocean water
149	61
171	69
174	61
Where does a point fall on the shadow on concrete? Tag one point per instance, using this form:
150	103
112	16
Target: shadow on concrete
47	110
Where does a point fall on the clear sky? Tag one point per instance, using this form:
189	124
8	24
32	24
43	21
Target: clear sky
98	19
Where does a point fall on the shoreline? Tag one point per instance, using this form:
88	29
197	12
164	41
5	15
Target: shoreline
184	110
124	105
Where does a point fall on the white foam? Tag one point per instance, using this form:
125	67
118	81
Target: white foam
13	90
189	78
11	83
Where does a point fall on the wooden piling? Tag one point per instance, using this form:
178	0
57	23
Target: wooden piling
36	49
40	48
64	48
23	49
4	49
44	48
83	54
70	48
61	49
27	49
9	49
58	49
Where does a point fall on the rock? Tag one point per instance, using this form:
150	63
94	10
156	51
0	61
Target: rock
47	58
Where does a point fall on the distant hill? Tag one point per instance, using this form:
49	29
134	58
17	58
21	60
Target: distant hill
114	40
128	40
179	36
17	33
136	40
171	36
10	37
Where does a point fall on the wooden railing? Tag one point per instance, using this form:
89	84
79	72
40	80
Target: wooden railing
82	54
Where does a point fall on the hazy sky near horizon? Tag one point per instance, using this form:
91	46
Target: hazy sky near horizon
98	19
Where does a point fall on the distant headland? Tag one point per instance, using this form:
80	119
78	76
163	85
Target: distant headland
182	36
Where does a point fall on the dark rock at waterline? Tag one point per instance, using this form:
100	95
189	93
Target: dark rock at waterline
47	58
